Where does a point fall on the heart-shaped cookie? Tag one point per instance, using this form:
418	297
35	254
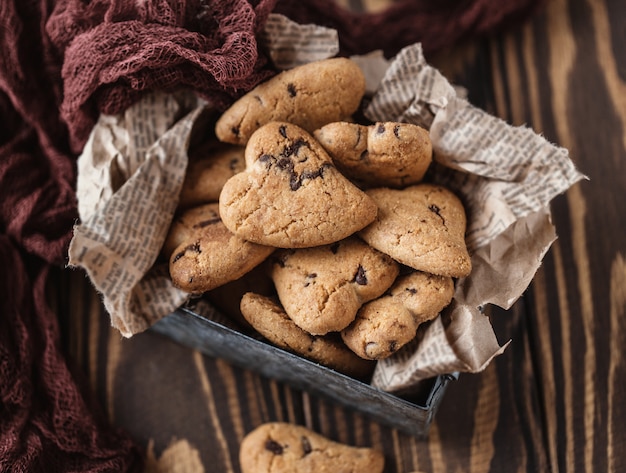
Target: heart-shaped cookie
422	226
322	288
386	324
291	195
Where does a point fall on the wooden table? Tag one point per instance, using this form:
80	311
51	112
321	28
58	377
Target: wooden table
554	401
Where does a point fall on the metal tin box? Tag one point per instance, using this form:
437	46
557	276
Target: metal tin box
411	415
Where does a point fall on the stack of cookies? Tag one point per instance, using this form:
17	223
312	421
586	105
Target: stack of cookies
360	250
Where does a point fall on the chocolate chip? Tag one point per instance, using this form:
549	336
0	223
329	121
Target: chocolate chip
310	276
393	345
283	131
411	290
296	181
274	447
195	247
291	89
317	173
235	130
294	147
434	208
306	445
360	278
285	164
396	131
206	223
380	129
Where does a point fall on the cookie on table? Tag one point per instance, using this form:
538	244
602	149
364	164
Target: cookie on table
383	154
268	318
291	195
421	226
209	255
309	96
322	288
209	168
280	447
386	324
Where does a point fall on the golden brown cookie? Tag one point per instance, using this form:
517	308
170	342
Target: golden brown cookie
291	195
227	298
383	154
279	447
209	255
422	226
267	317
322	288
386	324
208	169
310	96
185	225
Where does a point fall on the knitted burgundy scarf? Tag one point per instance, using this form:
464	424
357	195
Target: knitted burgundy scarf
62	63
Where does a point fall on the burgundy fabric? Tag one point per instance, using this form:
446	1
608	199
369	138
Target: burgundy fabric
436	24
47	423
115	50
62	62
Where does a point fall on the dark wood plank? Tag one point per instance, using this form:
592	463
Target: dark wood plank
563	80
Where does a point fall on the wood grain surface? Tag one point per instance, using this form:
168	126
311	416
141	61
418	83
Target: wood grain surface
554	401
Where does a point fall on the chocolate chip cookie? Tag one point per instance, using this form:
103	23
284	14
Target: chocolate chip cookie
209	255
383	154
267	317
291	195
208	169
322	288
421	226
310	96
386	324
279	447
